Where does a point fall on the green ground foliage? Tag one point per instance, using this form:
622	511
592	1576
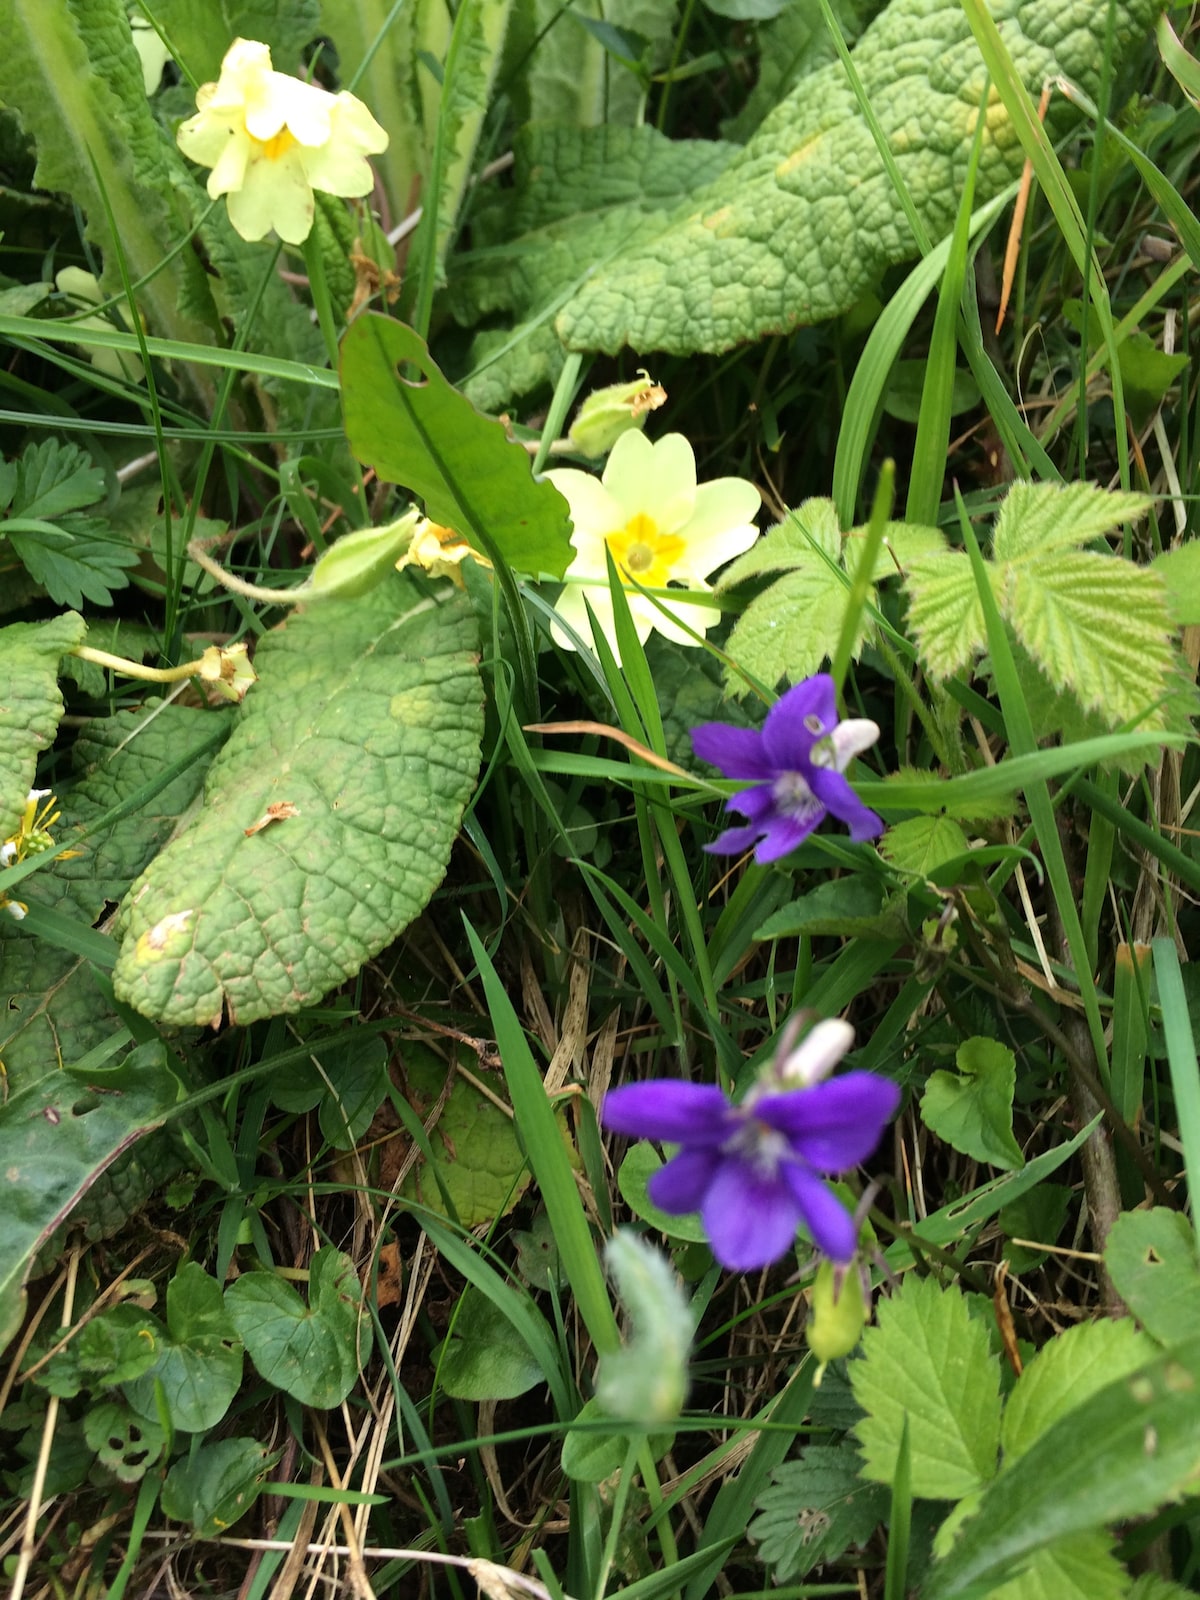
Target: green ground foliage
357	867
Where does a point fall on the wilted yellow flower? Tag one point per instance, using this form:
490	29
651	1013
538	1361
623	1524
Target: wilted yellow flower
440	551
31	839
271	140
608	413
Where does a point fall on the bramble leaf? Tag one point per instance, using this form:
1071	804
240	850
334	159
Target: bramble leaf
815	1509
1037	518
1131	1447
1080	1566
1065	1373
790	630
944	613
973	1110
928	1359
365	723
923	844
1151	1256
1097	625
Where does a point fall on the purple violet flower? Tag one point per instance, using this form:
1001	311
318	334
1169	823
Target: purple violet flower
755	1171
795	766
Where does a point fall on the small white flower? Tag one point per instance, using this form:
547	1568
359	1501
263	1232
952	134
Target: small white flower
662	529
271	140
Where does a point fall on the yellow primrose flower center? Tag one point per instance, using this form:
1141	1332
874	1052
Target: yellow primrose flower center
644	553
275	148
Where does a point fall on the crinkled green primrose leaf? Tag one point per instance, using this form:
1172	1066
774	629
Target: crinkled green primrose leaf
32	704
363	734
805	218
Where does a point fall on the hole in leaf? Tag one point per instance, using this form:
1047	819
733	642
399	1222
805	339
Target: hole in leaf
410	373
84	1104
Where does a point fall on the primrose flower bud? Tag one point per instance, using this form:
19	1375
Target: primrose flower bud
356	562
608	413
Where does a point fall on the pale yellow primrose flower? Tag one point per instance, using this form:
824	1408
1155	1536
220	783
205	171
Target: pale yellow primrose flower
662	528
271	140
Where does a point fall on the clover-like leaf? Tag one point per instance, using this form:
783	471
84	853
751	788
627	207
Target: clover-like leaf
311	1351
365	723
928	1360
199	1365
414	428
972	1110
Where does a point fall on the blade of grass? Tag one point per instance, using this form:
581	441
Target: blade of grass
1181	1057
895	1585
933	427
542	1139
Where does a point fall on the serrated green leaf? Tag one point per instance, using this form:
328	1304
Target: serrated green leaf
479	1159
1151	1587
928	1359
48	480
32	704
1096	625
944	613
1128	1450
923	844
1180	571
789	631
485	1357
851	908
1079	1567
903	543
815	1509
311	1352
783	235
1151	1257
366	719
1065	1373
1037	518
406	421
800	540
74	561
973	1110
216	1484
199	1365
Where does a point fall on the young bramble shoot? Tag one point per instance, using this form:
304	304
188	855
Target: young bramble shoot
756	1171
662	529
271	139
796	767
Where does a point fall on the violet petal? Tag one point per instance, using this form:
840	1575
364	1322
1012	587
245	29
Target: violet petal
683	1113
826	1218
783	834
680	1185
737	751
840	799
833	1125
750	1220
787	737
